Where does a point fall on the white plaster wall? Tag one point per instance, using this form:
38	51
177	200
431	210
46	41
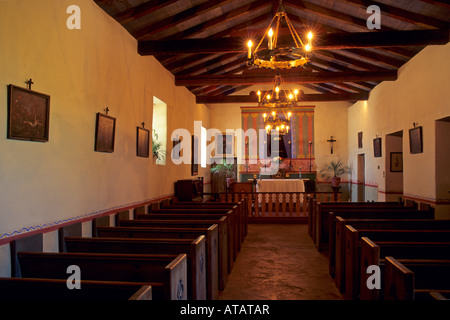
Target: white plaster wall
84	71
419	95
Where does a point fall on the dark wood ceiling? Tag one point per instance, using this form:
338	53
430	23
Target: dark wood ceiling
203	42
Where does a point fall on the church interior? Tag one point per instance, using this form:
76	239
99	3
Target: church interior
229	148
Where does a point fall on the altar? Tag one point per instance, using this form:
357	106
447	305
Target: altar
281	186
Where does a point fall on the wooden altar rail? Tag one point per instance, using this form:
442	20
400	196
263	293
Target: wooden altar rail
278	204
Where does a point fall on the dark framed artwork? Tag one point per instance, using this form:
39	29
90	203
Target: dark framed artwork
105	131
28	114
176	148
396	162
415	140
142	142
360	140
377	147
224	145
194	153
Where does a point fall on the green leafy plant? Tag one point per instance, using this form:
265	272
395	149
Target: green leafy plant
157	150
223	169
334	169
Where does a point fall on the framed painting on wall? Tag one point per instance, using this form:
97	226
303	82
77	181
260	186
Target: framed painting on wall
176	149
194	158
224	145
28	114
105	131
360	140
396	162
142	142
415	140
377	147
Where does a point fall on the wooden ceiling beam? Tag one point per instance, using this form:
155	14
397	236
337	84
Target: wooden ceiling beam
218	99
380	39
328	14
403	15
140	11
179	18
259	78
234	14
444	4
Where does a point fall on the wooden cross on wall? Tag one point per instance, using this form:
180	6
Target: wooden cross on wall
331	141
29	83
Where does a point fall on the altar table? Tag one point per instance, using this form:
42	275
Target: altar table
280	185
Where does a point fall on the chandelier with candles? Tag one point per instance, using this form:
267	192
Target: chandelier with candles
279	104
280	54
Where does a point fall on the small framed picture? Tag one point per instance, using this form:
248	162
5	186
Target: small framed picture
396	162
28	114
105	131
194	163
377	147
224	145
142	142
176	149
415	140
360	140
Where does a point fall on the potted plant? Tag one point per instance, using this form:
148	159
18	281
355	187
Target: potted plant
157	151
224	170
334	170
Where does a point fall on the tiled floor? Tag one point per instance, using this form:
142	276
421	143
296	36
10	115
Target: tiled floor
280	262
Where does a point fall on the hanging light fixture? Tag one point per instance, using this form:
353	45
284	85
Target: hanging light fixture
279	104
295	53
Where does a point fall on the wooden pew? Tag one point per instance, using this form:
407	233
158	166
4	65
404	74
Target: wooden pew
195	251
242	204
319	211
232	215
210	233
434	295
242	212
222	237
405	277
325	227
353	257
167	276
374	253
56	289
199	217
337	243
320	220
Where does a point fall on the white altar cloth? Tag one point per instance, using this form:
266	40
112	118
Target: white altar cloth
280	185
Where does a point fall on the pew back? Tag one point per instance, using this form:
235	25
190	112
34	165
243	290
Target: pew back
324	232
210	233
231	254
193	249
374	253
222	237
56	289
404	276
172	273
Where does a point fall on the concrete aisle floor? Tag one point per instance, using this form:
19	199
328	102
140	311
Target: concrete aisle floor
280	262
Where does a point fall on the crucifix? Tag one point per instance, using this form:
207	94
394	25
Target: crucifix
143	125
29	83
106	110
331	143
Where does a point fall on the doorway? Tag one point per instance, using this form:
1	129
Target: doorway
393	188
443	168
